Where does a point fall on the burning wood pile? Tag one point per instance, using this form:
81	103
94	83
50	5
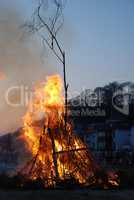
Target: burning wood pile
58	155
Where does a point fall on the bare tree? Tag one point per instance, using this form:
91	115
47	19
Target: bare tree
47	20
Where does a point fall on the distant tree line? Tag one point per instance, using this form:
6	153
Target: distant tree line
116	99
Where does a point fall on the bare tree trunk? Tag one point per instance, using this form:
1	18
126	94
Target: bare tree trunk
65	91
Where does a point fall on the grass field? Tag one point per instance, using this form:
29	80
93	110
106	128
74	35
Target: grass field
67	195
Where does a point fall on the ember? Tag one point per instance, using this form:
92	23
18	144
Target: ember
56	155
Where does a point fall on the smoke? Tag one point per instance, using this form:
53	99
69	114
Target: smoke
20	64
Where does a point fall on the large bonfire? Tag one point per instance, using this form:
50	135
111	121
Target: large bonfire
56	154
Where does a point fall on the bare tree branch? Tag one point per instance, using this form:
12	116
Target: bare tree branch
46	41
47	28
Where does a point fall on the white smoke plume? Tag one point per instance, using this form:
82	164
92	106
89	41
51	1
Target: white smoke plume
21	63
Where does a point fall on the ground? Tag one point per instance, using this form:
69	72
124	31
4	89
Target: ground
67	195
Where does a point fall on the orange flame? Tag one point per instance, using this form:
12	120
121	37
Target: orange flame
57	153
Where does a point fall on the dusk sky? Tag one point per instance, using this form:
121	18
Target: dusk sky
99	40
102	50
98	37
